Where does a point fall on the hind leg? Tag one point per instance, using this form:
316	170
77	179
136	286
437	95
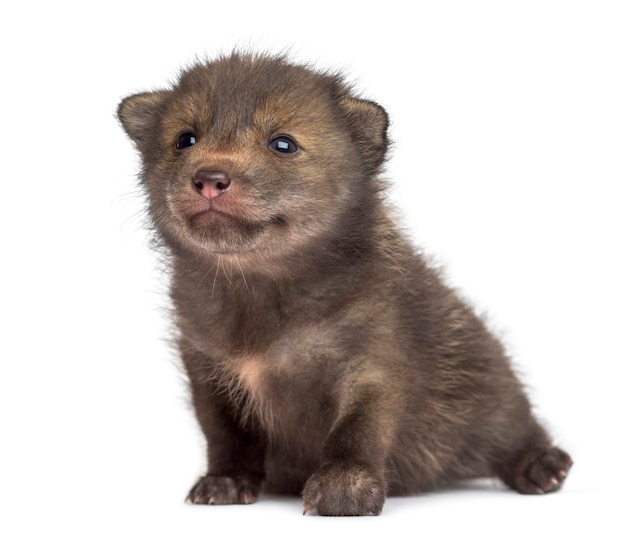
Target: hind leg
536	468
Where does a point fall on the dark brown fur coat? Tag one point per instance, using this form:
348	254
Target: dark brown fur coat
325	357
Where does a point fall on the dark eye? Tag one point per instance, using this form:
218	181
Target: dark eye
283	144
185	140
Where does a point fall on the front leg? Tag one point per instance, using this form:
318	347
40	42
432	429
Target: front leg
235	454
350	480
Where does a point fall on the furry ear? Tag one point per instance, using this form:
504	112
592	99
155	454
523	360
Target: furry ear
369	123
139	114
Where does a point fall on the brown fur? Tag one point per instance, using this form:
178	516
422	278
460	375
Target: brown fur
325	357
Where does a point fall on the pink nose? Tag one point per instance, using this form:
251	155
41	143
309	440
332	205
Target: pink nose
211	183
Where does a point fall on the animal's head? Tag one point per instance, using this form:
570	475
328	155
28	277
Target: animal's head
251	154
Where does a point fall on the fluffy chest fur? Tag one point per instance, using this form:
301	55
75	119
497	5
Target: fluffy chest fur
284	354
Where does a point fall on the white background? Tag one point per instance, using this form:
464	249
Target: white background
509	121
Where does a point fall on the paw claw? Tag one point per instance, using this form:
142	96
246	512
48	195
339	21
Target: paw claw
247	497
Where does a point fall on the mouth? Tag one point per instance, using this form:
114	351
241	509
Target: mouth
219	225
210	216
224	227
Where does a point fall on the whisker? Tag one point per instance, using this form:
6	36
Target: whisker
217	268
226	274
242	274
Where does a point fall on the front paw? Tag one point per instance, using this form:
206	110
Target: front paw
336	489
223	490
